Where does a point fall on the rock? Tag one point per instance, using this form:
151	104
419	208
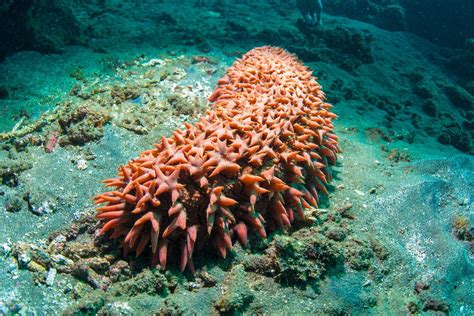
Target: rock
359	254
392	17
10	169
40	25
236	295
152	282
387	14
121	94
23	260
57	244
116	308
43	209
436	306
456	137
12	269
305	258
397	155
336	234
80	290
119	271
81	164
344	210
376	134
80	249
98	264
83	272
460	97
166	19
462	228
90	304
421	286
81	125
51	276
423	91
413	307
207	280
5	249
62	263
379	250
33	266
13	203
430	108
263	265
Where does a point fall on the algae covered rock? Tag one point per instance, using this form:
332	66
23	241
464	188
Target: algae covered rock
46	26
460	97
13	203
151	282
338	44
237	295
388	14
304	260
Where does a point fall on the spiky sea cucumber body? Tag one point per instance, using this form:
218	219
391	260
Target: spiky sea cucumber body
254	161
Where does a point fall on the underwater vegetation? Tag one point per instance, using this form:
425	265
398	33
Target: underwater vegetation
446	22
37	24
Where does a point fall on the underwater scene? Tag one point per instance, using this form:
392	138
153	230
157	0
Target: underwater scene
269	157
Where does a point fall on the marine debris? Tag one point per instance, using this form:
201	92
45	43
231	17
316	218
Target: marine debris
256	160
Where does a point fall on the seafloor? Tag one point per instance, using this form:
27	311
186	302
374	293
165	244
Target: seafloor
394	237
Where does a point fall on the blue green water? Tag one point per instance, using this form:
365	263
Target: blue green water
99	81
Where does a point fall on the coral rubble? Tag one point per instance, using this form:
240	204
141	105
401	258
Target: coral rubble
255	160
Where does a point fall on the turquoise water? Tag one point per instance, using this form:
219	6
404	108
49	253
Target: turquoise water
86	86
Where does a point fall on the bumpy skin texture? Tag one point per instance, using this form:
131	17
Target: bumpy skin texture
254	161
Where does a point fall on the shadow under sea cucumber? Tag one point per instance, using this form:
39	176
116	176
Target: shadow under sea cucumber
258	157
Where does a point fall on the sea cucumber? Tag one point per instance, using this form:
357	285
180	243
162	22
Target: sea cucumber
255	160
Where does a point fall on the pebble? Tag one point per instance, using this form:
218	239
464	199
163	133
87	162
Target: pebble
13	270
41	210
62	260
192	286
359	192
81	164
50	277
24	260
59	239
119	308
5	249
153	62
344	208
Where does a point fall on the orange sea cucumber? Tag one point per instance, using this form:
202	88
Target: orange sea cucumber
254	161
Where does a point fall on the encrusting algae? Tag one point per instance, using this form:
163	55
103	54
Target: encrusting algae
255	160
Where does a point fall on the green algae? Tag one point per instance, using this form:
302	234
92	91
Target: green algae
304	260
151	282
236	293
11	168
